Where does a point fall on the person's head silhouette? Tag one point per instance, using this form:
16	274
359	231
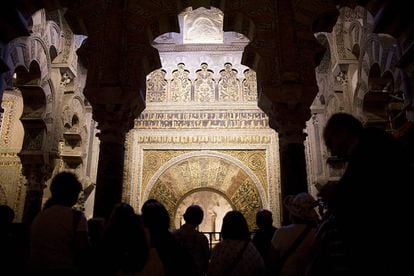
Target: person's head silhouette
65	189
194	215
341	133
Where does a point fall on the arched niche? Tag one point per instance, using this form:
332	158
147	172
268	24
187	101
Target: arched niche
207	171
214	203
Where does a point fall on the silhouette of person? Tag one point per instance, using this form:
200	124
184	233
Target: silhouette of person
58	234
263	236
302	214
372	189
194	241
175	258
235	254
125	248
13	243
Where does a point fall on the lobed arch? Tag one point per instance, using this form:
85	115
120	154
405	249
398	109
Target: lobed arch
38	100
34	106
53	32
366	61
40	46
355	36
41	55
75	107
53	53
22	51
374	56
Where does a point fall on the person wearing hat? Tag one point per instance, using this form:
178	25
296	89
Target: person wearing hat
292	244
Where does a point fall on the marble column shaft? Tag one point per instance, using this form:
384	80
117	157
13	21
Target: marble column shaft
293	172
289	122
109	181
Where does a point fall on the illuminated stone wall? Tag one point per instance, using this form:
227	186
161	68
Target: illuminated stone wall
203	134
12	189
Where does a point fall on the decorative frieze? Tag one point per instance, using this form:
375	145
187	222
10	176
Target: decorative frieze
199	119
203	139
206	86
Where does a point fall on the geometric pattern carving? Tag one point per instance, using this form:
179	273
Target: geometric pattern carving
250	86
229	86
180	85
157	86
204	84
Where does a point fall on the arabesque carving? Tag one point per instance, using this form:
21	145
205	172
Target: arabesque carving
204	85
157	87
180	85
229	85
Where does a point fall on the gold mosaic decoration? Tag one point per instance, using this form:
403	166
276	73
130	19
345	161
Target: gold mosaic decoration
206	172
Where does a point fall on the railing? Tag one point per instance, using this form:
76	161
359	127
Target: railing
215	237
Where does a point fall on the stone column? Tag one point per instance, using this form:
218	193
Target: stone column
110	173
289	124
113	127
36	176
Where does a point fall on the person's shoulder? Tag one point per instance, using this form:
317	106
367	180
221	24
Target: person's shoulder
201	236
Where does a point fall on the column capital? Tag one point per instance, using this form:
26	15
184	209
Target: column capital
114	108
37	166
112	123
289	120
37	170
